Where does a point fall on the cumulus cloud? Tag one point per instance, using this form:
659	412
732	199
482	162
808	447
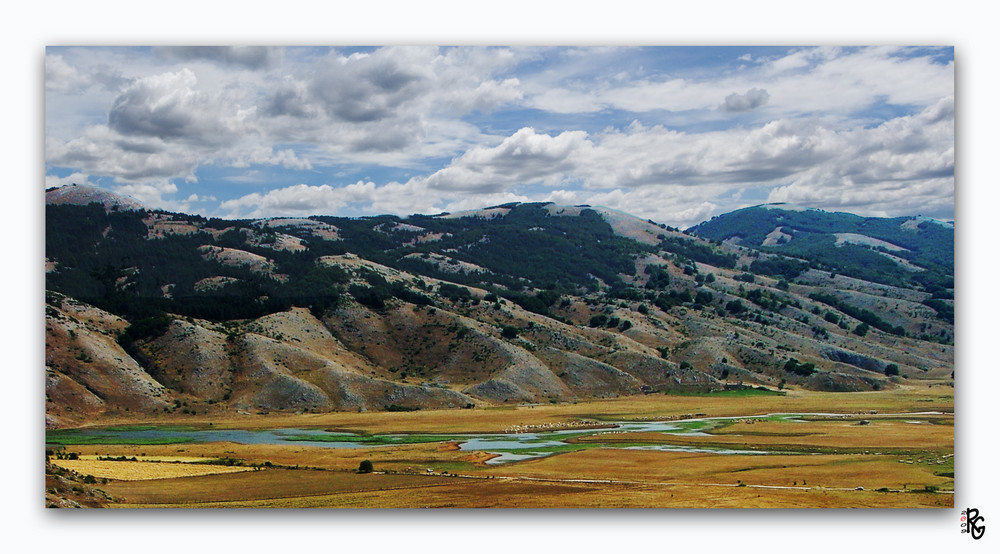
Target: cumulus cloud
390	106
751	100
251	57
291	100
165	126
563	197
523	158
169	106
303	200
363	88
489	95
101	151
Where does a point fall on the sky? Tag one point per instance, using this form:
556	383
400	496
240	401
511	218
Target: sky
674	134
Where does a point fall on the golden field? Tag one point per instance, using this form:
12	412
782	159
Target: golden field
867	456
141	471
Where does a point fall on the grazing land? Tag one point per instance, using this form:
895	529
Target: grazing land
889	449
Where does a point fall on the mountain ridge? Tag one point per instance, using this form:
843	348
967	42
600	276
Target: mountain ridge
534	303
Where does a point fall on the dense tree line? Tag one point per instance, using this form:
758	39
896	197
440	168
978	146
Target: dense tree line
699	252
865	316
779	266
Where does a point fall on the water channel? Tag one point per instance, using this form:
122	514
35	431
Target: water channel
507	447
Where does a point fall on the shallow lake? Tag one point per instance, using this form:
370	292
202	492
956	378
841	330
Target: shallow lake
507	446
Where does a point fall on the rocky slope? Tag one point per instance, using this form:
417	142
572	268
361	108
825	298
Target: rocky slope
560	304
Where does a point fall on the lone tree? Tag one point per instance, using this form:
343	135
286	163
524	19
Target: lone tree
366	467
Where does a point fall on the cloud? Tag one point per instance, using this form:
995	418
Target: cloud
73	178
62	77
752	99
487	96
363	88
100	151
903	166
654	171
526	157
300	200
291	100
169	106
563	197
165	126
808	80
565	101
390	106
668	176
263	155
151	194
669	205
250	57
195	198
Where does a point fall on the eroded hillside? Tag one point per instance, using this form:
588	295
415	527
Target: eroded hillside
153	312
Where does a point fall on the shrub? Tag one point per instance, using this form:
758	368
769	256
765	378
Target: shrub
366	467
397	407
735	307
599	320
892	369
454	293
803	369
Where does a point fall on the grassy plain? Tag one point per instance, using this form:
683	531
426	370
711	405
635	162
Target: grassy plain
898	461
128	470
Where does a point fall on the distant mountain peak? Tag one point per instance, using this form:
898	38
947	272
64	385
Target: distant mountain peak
82	195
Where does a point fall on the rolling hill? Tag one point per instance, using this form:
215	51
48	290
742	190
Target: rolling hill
157	312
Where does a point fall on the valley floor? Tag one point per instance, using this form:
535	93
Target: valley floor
887	449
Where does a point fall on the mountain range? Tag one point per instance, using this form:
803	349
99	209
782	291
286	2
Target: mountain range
152	312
